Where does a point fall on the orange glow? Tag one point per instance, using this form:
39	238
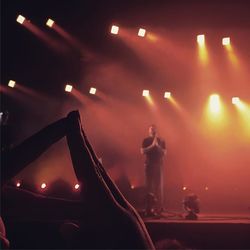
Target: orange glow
50	23
167	95
203	55
215	116
11	83
231	54
114	29
226	41
152	37
68	88
43	185
244	115
20	19
141	32
92	91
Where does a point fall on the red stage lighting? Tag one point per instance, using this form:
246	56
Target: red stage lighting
77	186
114	29
43	185
18	184
20	19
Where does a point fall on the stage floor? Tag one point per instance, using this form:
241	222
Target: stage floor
171	217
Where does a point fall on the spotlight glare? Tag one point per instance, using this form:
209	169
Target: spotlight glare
132	187
18	184
20	19
43	185
167	95
11	83
226	41
184	188
141	32
206	188
68	88
114	29
77	186
235	100
201	39
50	23
214	103
92	91
145	93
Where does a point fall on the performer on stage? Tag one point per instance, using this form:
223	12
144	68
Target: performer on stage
154	148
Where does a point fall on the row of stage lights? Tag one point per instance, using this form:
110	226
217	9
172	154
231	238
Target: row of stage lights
146	93
44	186
141	31
76	187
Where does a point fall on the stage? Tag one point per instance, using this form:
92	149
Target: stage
210	231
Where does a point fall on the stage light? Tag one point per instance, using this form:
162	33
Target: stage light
92	91
214	103
18	184
43	185
226	41
20	19
167	95
184	188
50	23
145	93
201	39
114	29
68	88
235	100
77	186
11	83
206	188
132	187
141	32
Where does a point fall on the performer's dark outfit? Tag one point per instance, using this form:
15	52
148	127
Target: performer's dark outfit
153	169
